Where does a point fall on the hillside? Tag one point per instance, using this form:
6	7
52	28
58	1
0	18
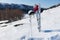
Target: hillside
24	29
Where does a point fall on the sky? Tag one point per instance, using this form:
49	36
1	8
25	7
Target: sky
43	3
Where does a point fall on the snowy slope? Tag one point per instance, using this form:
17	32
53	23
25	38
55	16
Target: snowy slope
50	19
10	32
22	29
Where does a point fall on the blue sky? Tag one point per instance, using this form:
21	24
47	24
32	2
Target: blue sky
43	3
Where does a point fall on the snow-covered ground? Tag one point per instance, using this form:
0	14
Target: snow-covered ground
50	19
25	29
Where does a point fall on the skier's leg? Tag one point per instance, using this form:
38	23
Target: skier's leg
38	20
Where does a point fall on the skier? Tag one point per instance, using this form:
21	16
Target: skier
36	10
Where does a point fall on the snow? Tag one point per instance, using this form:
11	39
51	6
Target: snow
50	20
13	33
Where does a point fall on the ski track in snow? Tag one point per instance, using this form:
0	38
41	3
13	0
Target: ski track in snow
21	29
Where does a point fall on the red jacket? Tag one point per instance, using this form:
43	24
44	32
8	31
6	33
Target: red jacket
35	8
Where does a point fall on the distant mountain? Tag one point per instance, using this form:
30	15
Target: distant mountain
54	6
22	7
